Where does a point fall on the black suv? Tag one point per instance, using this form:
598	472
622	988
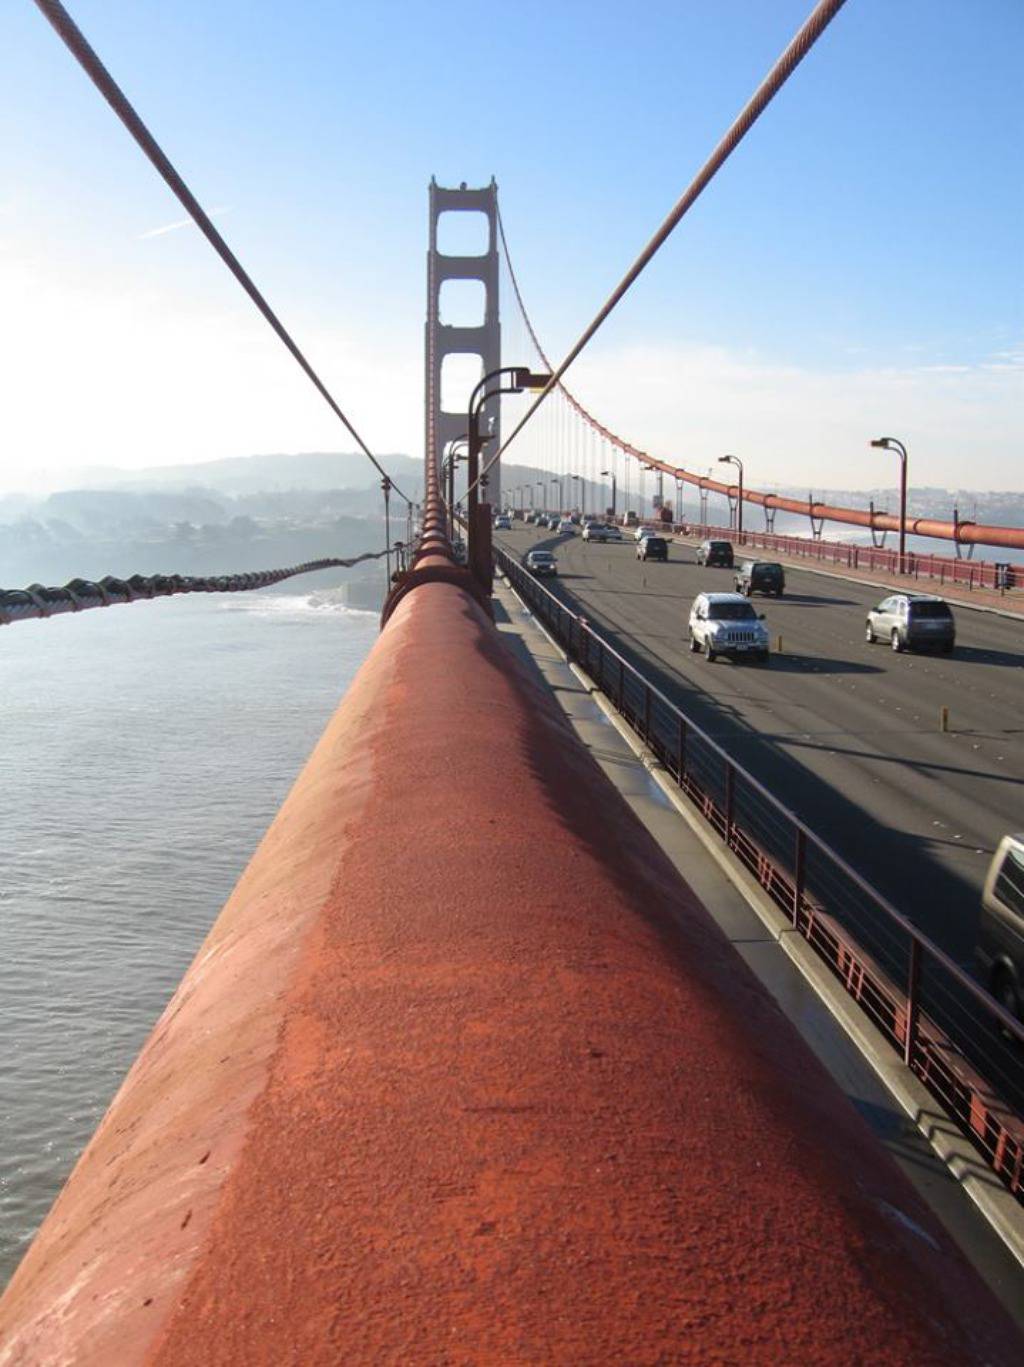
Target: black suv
715	553
652	548
760	576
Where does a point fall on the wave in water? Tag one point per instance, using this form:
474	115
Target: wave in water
323	603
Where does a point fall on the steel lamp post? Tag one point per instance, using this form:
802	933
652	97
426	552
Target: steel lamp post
614	501
521	377
891	444
735	460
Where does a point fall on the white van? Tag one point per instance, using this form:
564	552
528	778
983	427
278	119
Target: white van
1000	948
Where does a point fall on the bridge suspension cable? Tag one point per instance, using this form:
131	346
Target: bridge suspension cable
816	23
77	44
18	605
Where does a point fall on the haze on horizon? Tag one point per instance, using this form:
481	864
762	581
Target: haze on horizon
855	269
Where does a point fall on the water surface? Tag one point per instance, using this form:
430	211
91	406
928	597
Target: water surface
145	749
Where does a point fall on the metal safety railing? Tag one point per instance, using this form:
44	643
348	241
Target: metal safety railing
963	1046
962	573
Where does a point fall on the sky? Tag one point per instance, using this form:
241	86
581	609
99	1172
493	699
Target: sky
854	270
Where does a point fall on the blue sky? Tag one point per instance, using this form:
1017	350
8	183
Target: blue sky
857	262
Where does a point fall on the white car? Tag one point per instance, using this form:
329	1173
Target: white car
565	525
647	529
727	624
502	523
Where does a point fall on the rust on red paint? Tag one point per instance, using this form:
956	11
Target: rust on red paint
465	1074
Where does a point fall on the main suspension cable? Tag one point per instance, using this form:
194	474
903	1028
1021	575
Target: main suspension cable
18	605
812	29
76	42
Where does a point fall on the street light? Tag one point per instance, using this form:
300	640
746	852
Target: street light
891	444
521	377
583	494
735	460
557	479
539	484
614	502
453	460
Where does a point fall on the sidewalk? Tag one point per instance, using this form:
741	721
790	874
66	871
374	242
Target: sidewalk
1010	601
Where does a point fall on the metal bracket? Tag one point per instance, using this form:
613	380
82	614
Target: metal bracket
961	553
877	538
816	522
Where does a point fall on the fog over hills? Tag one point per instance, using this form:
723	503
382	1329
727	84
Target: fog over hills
258	512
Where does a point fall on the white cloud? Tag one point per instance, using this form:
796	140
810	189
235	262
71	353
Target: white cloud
93	375
963	425
166	228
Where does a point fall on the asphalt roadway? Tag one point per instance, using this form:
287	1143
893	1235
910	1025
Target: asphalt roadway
845	734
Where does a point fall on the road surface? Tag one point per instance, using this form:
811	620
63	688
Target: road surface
844	733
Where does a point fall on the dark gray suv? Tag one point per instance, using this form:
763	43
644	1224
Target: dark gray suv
912	621
715	553
760	576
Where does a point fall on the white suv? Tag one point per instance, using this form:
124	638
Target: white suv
727	624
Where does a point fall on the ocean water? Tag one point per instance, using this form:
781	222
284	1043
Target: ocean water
145	749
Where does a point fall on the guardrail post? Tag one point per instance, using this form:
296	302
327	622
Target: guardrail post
913	980
730	800
600	663
647	713
800	875
622	684
681	750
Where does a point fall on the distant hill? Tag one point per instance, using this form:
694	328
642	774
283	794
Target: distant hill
258	474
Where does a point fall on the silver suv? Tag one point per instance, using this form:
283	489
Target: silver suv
912	620
726	624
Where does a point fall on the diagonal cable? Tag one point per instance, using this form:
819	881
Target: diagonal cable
74	39
815	24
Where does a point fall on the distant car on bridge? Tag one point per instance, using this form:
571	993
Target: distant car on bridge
760	576
541	563
911	621
566	525
646	529
652	548
601	531
502	523
715	553
726	624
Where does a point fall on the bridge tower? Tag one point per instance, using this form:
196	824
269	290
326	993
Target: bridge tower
482	339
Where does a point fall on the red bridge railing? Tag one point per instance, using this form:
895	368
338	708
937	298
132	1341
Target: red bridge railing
969	574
